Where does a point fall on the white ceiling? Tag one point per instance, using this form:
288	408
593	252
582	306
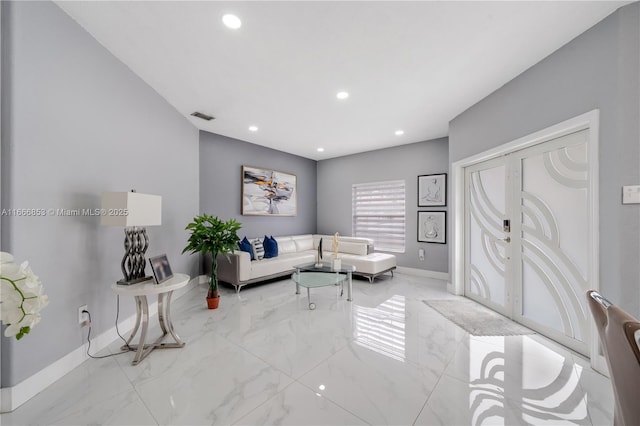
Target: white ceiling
407	65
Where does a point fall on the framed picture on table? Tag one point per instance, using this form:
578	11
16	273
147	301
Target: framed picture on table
161	268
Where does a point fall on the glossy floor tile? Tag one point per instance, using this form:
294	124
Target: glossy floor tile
387	358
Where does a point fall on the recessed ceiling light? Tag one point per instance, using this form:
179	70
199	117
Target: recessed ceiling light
342	95
232	21
320	149
399	132
253	128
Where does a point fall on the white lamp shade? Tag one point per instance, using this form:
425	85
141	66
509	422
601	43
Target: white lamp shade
131	209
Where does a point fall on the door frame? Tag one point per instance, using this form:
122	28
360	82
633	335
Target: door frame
590	121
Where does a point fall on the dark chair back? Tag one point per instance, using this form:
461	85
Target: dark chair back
617	333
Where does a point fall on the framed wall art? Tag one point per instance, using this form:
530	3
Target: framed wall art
268	192
432	227
432	190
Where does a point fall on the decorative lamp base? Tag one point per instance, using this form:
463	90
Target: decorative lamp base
134	281
134	262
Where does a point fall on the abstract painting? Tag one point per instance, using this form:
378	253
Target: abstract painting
432	190
268	192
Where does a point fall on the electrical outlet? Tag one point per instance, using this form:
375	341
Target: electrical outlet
83	317
631	194
421	254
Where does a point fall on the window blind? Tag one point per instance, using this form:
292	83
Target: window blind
378	212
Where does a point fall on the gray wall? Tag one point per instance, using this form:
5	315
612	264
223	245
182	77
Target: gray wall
336	177
221	161
599	69
76	123
2	180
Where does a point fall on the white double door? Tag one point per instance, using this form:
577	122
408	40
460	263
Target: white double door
527	237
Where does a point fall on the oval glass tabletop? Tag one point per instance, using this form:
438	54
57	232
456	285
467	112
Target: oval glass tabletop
317	279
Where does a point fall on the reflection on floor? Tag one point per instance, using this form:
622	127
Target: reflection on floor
386	358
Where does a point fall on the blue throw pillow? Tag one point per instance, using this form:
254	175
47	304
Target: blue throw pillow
275	245
270	247
245	245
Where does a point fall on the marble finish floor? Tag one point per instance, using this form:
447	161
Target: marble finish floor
386	358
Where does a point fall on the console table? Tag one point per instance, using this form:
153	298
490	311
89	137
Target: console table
140	292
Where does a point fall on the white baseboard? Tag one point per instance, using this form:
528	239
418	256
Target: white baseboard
14	396
423	273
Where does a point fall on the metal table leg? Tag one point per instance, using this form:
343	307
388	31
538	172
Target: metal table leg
312	305
169	326
161	310
142	319
136	326
349	287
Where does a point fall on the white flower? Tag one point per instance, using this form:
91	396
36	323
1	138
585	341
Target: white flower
10	270
21	297
5	257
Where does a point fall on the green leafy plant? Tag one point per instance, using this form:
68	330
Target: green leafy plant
211	235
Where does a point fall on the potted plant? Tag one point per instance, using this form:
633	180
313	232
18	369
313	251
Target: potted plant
211	235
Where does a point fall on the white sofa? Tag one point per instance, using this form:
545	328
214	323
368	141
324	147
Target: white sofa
294	250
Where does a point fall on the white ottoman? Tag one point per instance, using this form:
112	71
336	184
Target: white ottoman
371	265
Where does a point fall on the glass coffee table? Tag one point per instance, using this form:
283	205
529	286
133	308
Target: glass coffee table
312	275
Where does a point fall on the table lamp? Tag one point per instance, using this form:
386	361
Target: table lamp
133	211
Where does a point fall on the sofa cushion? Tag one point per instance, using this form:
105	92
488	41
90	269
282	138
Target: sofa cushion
327	244
303	242
286	245
245	245
258	249
348	247
270	247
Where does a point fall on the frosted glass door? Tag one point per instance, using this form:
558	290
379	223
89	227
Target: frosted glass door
552	257
486	245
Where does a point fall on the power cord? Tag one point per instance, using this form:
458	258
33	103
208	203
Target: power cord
117	331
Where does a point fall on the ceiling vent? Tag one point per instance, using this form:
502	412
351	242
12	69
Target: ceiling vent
203	116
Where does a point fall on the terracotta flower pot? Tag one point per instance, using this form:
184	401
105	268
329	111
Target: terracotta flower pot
212	302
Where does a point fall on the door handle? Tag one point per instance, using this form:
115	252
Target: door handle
507	239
